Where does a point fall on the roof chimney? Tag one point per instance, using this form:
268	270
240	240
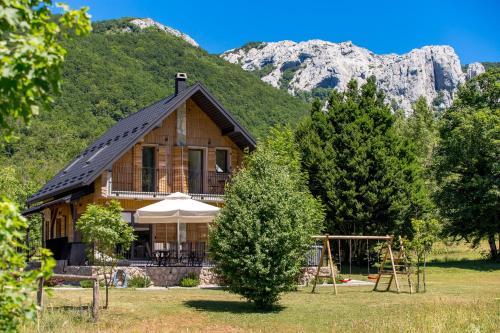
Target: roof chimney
180	82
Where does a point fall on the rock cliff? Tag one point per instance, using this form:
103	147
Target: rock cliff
147	22
430	71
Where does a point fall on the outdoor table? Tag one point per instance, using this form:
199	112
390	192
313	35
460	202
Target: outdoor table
161	256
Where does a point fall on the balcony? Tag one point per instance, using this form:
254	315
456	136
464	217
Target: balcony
144	183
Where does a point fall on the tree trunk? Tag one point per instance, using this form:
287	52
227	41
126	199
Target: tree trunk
498	256
106	283
493	247
418	274
423	273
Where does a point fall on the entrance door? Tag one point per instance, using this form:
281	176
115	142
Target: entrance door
195	171
141	243
148	169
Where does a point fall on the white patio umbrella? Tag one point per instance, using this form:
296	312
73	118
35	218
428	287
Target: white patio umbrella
176	208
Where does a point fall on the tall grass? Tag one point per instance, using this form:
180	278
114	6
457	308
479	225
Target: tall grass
463	296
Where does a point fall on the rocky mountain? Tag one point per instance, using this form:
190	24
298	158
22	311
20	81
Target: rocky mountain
431	71
144	23
474	69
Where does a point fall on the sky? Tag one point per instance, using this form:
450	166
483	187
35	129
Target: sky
471	27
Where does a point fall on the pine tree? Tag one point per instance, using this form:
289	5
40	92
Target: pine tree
367	175
421	130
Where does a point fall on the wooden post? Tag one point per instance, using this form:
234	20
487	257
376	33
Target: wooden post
381	268
95	290
330	263
39	293
95	300
394	272
319	266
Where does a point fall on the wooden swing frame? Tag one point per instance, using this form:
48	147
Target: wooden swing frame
392	273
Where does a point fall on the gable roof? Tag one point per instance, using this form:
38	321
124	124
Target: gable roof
88	165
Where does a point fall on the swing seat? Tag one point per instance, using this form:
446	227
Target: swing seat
372	276
345	280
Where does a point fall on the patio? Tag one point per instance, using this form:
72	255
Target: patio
179	231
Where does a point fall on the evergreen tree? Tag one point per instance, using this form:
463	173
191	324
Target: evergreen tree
467	162
421	131
366	174
262	233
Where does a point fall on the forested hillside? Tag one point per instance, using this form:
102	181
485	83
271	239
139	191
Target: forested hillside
113	73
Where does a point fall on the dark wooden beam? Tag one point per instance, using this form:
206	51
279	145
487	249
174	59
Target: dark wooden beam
229	131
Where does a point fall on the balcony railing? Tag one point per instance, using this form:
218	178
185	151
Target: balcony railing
158	182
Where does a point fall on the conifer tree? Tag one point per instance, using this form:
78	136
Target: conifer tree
366	174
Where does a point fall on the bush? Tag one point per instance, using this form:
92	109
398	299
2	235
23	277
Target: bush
261	236
86	283
90	283
53	282
139	282
190	280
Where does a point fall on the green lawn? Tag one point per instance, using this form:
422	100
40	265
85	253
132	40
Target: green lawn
463	296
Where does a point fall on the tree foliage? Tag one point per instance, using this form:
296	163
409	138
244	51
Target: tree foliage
424	234
16	188
16	283
30	61
366	174
31	55
467	162
259	239
422	132
108	235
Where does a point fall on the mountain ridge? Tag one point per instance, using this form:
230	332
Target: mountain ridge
432	71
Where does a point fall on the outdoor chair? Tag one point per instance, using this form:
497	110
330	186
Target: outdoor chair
172	253
158	246
164	258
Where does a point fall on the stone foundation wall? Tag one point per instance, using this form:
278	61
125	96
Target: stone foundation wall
170	276
160	276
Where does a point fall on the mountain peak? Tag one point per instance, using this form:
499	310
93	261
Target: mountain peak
144	23
431	71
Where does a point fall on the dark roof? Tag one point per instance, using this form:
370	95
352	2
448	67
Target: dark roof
67	199
87	166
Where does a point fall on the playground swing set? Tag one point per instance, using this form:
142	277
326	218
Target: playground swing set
392	263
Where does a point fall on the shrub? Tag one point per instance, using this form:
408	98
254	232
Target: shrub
139	282
90	283
261	236
52	282
86	283
190	280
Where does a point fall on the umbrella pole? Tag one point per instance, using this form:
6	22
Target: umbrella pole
178	237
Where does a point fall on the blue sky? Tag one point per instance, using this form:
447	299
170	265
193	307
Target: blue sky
471	27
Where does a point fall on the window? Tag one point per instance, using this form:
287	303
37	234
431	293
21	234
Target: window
148	169
221	164
195	171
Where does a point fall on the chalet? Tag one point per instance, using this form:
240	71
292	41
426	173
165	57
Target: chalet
187	142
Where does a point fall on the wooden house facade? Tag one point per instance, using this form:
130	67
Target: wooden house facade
185	143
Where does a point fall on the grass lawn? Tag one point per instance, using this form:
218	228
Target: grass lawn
463	296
